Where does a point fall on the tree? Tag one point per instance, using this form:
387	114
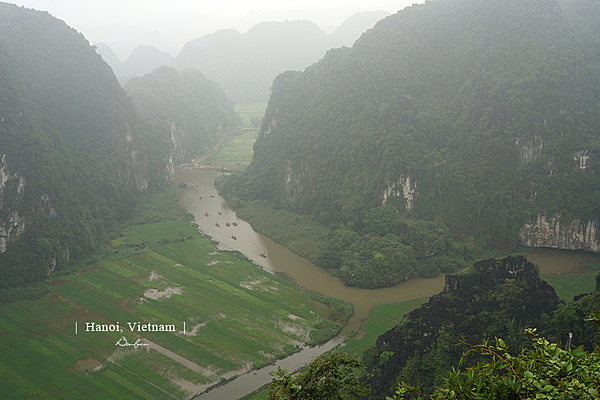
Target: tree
373	262
329	377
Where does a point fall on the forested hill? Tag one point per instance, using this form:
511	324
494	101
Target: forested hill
74	152
246	64
185	106
484	113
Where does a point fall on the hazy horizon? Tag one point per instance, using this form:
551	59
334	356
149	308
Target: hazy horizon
168	25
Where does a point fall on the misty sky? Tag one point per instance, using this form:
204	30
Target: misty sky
169	24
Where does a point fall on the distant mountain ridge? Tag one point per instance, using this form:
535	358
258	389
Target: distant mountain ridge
145	59
246	64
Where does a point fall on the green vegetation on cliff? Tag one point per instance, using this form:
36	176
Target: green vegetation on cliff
495	298
75	154
476	115
189	110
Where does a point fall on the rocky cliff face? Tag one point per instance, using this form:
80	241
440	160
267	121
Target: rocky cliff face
550	232
406	187
499	297
12	224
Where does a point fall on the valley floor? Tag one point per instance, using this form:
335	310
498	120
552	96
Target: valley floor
200	315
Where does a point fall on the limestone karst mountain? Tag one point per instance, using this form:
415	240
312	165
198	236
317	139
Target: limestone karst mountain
484	114
186	107
75	154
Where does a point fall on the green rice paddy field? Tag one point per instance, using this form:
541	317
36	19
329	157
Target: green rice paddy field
236	150
236	317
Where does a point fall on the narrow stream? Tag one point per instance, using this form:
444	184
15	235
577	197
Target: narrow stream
212	215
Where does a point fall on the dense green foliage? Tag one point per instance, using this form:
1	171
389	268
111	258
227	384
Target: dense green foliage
495	298
545	371
75	154
374	262
391	248
185	107
329	377
477	113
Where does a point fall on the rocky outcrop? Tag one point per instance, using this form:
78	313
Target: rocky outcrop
530	150
585	159
406	186
549	232
297	180
13	224
494	297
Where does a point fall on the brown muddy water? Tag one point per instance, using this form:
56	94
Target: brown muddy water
280	260
201	199
557	262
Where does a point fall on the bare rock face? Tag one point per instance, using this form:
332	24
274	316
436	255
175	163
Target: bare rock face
12	184
550	232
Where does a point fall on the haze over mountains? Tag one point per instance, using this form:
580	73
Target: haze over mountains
75	154
449	126
246	64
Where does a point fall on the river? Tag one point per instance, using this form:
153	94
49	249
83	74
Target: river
201	199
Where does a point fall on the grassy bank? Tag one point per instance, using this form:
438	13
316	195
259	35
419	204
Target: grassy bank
228	316
235	152
251	114
570	285
381	319
299	233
